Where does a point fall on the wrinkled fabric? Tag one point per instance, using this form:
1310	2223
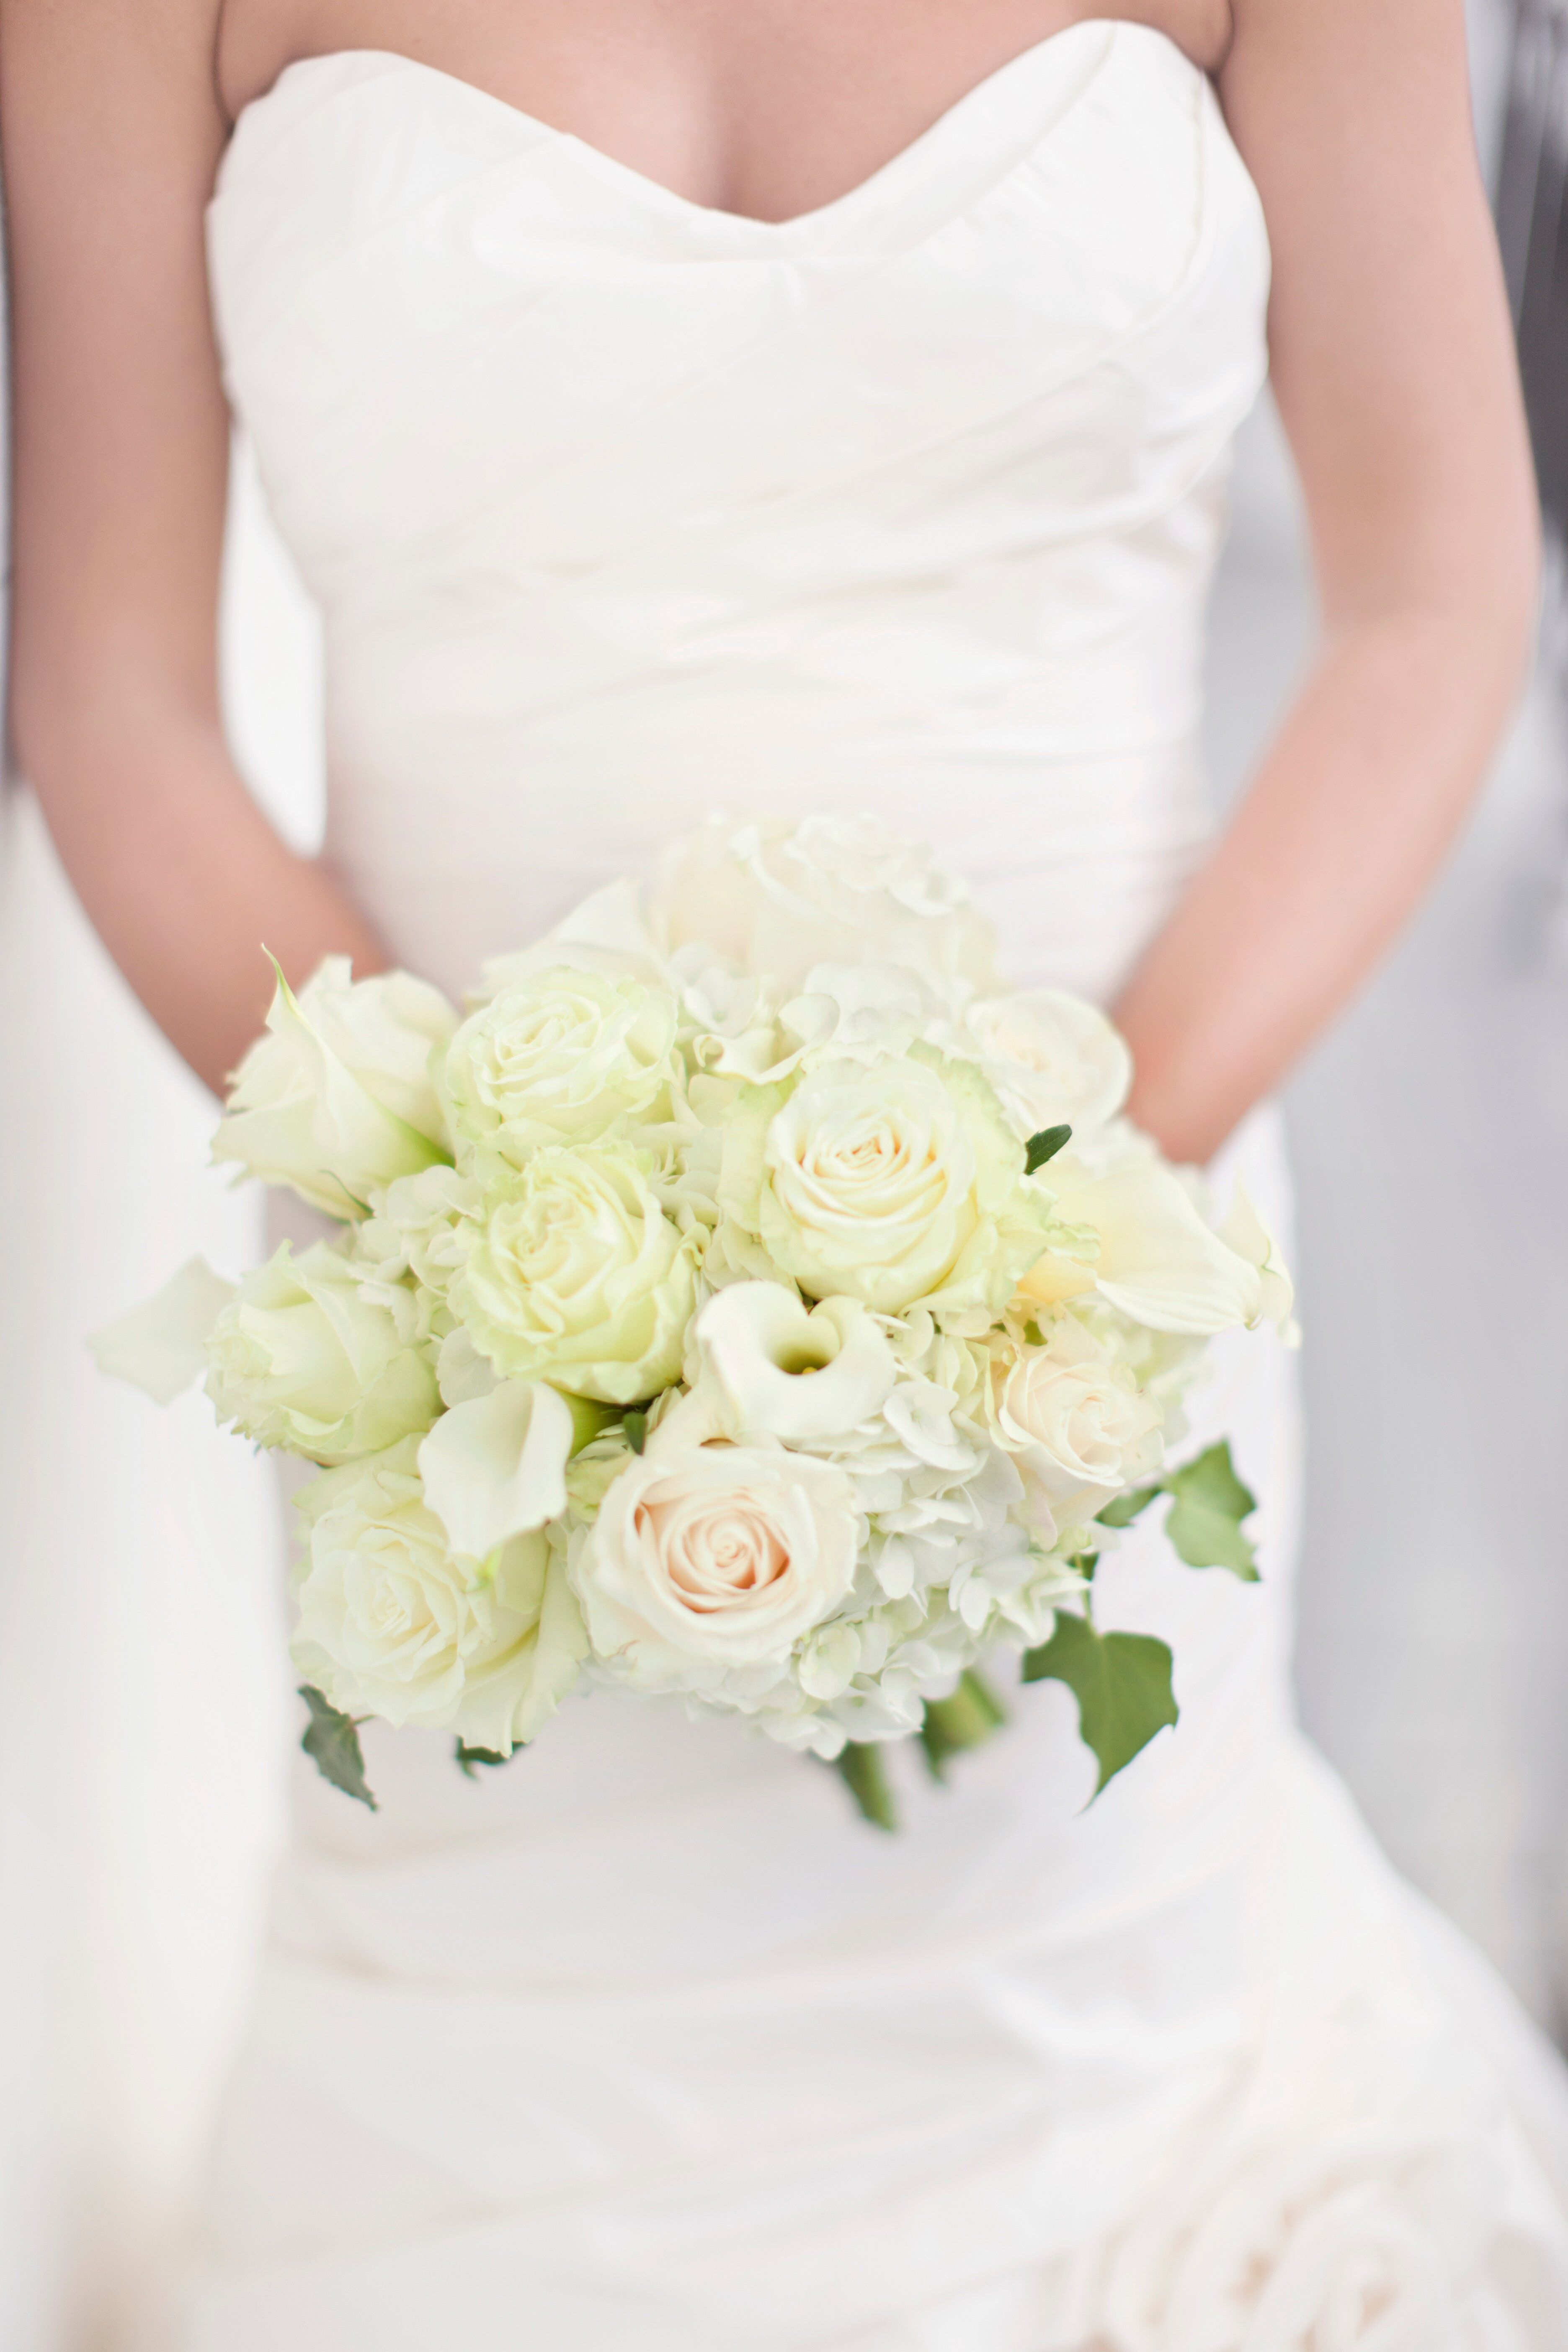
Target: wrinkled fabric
621	510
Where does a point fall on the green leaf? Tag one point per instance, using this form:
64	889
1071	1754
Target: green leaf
1127	1508
1045	1146
1209	1504
966	1720
863	1769
331	1742
1121	1683
636	1426
467	1757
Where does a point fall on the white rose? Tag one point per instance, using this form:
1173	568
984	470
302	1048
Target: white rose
888	1184
337	1099
575	1275
560	1057
1054	1060
729	1018
414	1226
777	896
708	1564
1075	1422
392	1625
317	1356
782	1371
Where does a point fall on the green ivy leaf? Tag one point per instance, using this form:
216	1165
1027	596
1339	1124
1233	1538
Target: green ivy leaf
966	1720
1045	1146
863	1768
1127	1508
1209	1504
1121	1683
467	1758
331	1742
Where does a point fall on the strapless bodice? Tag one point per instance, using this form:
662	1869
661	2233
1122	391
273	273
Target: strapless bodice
619	509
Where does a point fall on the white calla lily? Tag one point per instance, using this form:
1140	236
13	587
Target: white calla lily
495	1467
1247	1233
784	1371
1157	1260
161	1346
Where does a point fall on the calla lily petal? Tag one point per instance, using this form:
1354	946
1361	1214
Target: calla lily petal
785	1372
494	1467
1247	1233
1158	1261
160	1347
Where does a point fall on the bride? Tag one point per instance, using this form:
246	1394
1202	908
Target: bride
811	406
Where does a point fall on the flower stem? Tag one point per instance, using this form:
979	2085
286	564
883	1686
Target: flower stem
863	1768
966	1720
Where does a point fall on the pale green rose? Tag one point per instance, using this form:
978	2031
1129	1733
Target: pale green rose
414	1226
891	1184
575	1275
317	1356
560	1057
337	1099
393	1624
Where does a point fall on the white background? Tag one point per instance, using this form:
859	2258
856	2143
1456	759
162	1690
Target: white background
143	1696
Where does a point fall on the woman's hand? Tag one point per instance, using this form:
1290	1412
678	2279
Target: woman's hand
1393	364
110	132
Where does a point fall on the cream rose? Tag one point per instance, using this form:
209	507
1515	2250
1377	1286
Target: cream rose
1075	1420
317	1356
560	1057
889	1183
575	1275
708	1564
337	1099
777	896
1054	1060
392	1625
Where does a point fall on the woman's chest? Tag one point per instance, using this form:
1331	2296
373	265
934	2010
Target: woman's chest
768	108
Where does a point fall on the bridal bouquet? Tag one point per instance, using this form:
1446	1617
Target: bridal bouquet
746	1303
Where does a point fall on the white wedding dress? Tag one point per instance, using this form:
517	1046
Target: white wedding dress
620	508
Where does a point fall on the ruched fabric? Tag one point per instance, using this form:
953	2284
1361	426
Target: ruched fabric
621	510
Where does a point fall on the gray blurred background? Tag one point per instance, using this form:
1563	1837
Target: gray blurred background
143	1691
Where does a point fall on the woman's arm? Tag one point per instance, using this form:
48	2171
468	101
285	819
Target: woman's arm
1393	364
110	132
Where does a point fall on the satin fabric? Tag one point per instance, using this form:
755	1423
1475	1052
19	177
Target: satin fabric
620	508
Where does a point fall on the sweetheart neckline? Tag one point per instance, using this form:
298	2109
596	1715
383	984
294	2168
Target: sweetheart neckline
906	157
